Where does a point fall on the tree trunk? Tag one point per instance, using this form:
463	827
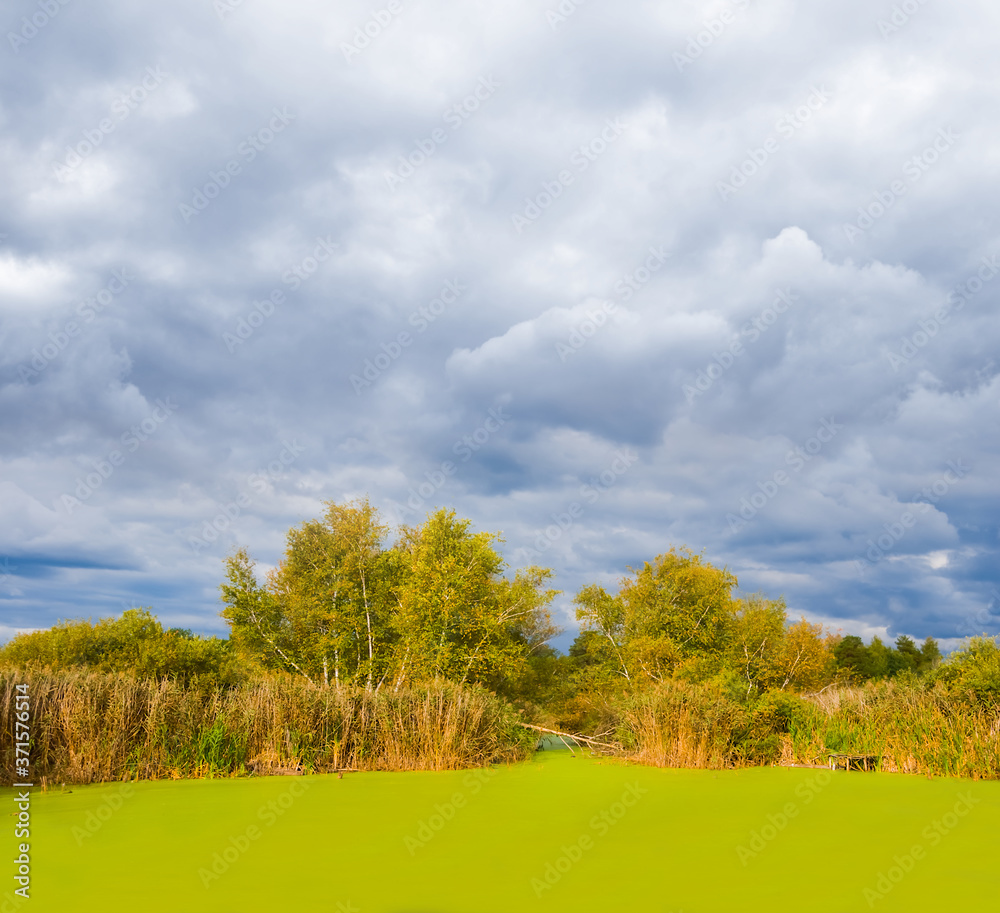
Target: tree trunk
368	620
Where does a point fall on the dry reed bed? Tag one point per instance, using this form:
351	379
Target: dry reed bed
913	730
679	725
93	727
910	729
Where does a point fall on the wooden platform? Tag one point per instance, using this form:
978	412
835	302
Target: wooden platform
854	761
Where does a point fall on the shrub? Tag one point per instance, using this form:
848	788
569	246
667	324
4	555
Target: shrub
972	674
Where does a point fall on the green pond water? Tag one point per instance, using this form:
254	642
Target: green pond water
556	832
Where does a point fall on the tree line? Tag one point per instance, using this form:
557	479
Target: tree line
346	608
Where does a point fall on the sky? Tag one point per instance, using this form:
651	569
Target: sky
605	279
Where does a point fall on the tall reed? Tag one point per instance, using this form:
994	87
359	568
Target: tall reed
678	724
90	727
909	728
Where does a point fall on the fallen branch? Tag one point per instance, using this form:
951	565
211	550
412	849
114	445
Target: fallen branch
572	753
570	735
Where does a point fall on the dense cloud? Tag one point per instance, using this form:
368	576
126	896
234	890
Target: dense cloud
605	279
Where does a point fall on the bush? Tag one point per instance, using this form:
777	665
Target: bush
135	644
779	712
972	674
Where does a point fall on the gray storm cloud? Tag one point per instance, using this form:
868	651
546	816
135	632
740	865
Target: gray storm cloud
716	274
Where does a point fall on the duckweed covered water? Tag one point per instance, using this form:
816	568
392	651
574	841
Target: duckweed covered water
556	832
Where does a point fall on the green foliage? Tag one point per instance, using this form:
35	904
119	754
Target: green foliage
972	673
677	724
906	724
912	724
930	656
217	749
754	645
676	618
591	677
907	656
325	612
731	685
458	618
879	659
852	657
135	643
670	610
342	608
685	673
780	712
707	667
544	685
858	663
259	628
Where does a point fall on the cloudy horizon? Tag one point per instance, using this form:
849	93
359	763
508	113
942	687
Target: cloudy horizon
605	280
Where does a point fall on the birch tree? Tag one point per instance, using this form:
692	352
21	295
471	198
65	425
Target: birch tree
458	618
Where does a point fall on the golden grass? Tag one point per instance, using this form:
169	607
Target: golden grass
681	725
910	729
91	727
913	730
